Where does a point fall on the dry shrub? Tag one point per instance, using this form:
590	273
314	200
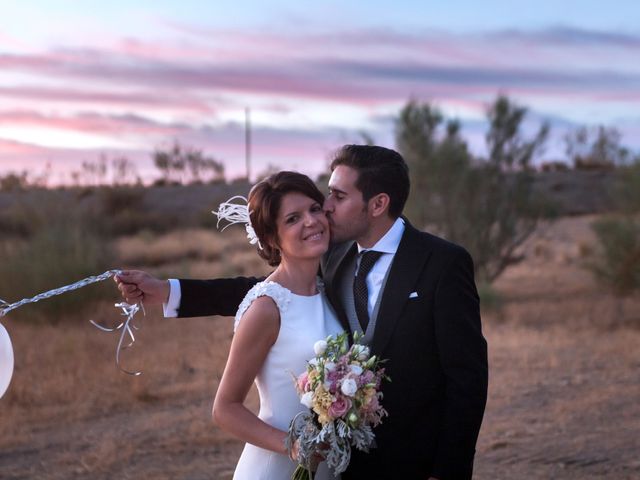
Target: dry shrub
122	211
16	221
146	249
115	200
149	250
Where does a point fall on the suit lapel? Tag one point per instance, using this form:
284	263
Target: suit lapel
406	268
332	268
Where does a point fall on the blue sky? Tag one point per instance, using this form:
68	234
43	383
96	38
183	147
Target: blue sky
81	79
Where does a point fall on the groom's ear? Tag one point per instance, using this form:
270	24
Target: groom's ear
379	205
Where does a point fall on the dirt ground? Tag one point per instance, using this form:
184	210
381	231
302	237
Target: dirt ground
563	395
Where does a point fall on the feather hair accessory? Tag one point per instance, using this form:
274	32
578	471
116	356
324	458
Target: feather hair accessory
237	213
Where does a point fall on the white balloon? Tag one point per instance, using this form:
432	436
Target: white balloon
6	360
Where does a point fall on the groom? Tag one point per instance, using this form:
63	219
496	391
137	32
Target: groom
414	297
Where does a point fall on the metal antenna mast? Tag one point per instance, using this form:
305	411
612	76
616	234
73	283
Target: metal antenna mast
247	141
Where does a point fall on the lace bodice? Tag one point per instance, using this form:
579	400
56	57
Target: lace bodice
279	294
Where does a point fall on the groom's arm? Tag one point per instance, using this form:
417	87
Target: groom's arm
185	298
462	350
222	296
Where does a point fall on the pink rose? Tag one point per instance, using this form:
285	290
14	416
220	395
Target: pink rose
339	407
303	382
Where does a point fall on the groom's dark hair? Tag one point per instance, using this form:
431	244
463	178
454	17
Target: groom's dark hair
380	170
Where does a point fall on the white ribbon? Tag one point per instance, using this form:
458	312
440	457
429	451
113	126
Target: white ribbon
127	327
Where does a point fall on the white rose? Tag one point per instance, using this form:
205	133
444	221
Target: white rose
349	387
364	352
307	399
313	362
329	366
320	347
355	369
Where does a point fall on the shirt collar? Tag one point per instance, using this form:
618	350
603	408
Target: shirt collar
390	241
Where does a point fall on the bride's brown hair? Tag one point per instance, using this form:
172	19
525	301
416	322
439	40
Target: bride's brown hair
264	205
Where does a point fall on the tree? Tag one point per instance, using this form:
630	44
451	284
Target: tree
507	209
187	165
485	204
123	171
18	181
596	148
416	130
13	182
508	149
94	173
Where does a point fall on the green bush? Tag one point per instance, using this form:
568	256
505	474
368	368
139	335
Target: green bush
616	262
626	193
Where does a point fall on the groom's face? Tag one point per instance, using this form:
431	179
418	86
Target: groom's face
345	207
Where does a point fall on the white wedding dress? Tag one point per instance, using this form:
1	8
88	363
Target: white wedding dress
303	321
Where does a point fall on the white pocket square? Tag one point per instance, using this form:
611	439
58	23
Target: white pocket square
413	295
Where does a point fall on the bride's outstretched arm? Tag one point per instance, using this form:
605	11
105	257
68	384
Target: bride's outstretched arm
256	334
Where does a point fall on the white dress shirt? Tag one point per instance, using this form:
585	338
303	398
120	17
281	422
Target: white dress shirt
388	245
170	308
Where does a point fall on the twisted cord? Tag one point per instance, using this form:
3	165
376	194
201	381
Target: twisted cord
127	327
6	307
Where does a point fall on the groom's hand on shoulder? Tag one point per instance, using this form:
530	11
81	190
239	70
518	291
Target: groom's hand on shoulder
137	286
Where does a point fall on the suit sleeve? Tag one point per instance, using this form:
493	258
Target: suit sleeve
462	351
222	296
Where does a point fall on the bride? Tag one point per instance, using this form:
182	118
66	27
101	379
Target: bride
276	325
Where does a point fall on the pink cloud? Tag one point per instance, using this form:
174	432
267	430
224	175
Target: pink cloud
26	62
11	147
89	123
362	68
130	99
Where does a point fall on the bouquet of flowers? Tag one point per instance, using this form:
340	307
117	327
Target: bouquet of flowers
341	389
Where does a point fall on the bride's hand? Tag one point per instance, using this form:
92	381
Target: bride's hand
315	460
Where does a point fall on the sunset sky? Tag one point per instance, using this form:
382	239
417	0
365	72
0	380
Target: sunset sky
81	79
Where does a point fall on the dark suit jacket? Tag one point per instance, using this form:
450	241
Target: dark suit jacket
437	356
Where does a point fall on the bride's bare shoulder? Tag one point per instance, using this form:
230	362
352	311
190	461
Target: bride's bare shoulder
263	307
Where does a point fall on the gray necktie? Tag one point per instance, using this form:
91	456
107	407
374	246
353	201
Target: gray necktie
360	291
